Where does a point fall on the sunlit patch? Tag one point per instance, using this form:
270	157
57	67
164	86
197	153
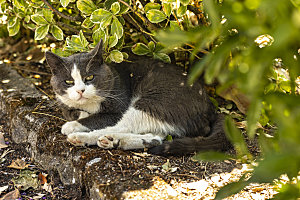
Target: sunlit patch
37	76
6	61
52	45
5	81
29	57
264	40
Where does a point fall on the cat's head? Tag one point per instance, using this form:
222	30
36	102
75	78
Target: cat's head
81	80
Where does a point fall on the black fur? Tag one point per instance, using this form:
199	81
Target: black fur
182	146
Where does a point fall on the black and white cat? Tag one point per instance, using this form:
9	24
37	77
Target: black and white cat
134	105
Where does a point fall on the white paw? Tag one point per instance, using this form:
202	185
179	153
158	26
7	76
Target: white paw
108	142
78	139
71	127
83	114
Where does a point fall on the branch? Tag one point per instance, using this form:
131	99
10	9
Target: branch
144	19
77	18
71	28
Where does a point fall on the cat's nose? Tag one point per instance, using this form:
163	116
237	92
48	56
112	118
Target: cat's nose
80	91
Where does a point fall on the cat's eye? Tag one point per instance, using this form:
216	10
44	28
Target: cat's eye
69	82
89	78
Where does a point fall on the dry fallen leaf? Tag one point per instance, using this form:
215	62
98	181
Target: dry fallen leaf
47	187
18	164
42	178
234	94
11	195
38	196
2	142
25	180
2	189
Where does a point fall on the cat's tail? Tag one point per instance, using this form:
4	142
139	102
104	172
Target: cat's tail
216	141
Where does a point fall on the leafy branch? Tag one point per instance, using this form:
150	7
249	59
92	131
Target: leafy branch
77	18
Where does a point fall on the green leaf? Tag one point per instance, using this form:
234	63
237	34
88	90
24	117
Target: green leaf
230	189
185	2
36	3
20	4
253	116
87	23
116	56
140	49
86	6
236	137
150	6
210	8
174	26
181	11
116	28
211	156
61	52
159	46
27	19
48	15
99	34
162	56
75	44
102	17
83	40
169	138
125	55
57	32
289	190
112	41
13	26
64	3
155	16
151	46
41	32
273	165
115	8
39	19
123	8
30	26
167	8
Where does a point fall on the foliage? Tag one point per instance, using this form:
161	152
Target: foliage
251	44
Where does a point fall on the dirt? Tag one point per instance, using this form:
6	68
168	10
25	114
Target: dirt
115	174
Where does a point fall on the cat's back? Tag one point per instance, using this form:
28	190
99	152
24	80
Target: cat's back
162	91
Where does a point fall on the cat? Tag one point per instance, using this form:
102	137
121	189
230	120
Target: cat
134	105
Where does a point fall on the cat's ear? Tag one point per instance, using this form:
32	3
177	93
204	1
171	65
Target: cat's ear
97	51
96	56
54	61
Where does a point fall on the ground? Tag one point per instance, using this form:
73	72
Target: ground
119	174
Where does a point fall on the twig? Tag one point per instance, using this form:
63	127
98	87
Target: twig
49	115
136	24
144	19
28	70
71	28
77	18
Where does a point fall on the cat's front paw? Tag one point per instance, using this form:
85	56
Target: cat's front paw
72	127
79	138
108	142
